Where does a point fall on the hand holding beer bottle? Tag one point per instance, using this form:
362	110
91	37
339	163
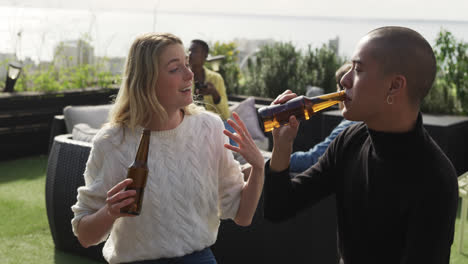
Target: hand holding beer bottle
283	135
126	197
301	107
138	172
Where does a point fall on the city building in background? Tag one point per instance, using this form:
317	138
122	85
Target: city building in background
73	53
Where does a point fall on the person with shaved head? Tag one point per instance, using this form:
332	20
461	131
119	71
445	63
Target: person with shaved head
396	191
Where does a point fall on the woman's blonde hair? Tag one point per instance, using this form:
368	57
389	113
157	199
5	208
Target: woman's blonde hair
136	102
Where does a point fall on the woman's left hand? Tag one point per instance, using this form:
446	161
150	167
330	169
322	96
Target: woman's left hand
242	137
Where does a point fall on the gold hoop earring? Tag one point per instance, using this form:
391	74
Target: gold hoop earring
389	100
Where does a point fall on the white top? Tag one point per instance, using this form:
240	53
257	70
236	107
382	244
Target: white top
193	181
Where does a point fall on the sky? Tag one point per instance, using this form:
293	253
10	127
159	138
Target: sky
395	9
32	28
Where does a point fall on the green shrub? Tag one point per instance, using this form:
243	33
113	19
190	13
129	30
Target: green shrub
449	94
253	84
229	67
279	69
440	99
106	79
319	67
52	78
45	81
83	75
281	66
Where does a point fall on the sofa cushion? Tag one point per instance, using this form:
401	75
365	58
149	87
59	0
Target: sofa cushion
83	132
247	112
93	115
262	144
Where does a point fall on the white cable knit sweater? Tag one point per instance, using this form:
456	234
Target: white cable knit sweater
192	182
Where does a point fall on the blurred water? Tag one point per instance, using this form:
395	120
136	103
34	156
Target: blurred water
113	32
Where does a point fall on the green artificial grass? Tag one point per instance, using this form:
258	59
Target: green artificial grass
24	230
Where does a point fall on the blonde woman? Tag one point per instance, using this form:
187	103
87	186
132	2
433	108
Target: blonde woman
193	178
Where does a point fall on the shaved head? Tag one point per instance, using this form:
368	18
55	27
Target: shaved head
404	51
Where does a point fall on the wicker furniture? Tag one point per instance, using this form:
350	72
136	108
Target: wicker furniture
65	167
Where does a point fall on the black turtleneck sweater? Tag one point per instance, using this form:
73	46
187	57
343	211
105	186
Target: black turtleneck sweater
396	195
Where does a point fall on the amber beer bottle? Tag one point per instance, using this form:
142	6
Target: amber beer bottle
302	107
138	171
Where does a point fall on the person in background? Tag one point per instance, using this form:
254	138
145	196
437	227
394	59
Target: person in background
208	83
302	160
193	179
396	191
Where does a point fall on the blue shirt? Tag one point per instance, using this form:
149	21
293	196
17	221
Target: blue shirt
301	161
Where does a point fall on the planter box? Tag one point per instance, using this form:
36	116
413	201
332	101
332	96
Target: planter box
449	132
25	118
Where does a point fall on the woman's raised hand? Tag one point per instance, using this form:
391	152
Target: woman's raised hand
246	145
